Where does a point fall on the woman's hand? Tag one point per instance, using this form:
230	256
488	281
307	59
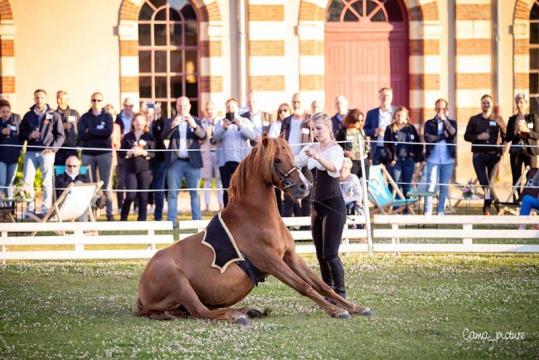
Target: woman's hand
349	154
312	153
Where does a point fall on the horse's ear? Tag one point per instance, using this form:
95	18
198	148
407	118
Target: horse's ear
265	138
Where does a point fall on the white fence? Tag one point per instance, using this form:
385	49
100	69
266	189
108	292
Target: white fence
138	240
115	246
458	227
303	238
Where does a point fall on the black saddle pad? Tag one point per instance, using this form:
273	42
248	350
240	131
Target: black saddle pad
225	251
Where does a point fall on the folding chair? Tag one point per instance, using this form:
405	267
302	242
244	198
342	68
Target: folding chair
508	205
7	209
420	188
74	201
380	194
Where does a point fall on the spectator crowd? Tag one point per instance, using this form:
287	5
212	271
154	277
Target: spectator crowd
156	156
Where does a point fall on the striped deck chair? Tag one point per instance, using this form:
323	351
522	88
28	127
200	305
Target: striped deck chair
381	195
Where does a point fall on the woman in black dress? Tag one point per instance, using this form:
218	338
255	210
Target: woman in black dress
328	211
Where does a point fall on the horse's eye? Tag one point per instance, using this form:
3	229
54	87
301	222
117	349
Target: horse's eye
277	161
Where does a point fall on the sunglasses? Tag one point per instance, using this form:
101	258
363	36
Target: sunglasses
97	100
72	166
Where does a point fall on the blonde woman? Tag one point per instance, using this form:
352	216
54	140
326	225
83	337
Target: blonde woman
328	211
403	148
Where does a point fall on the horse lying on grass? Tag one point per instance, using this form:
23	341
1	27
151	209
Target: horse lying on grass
191	278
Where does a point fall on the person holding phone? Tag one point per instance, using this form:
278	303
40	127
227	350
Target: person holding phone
123	120
183	134
137	146
210	170
484	129
233	135
440	135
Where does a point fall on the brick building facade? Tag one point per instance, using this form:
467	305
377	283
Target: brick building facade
214	49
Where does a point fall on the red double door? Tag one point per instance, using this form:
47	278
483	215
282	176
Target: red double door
361	58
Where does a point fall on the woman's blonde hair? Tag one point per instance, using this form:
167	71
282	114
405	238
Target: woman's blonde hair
323	118
394	122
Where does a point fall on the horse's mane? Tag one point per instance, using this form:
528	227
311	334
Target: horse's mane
258	163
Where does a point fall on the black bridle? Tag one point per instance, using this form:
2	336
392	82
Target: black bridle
284	177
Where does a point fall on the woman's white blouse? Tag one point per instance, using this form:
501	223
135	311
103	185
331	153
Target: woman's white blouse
334	154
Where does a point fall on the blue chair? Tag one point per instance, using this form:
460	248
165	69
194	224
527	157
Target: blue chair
381	195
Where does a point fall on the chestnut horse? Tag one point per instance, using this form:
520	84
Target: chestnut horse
179	281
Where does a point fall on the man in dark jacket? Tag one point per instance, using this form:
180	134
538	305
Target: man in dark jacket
71	175
182	134
296	130
158	161
124	120
42	128
70	119
376	122
95	130
341	105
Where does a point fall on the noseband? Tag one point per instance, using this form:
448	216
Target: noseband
284	177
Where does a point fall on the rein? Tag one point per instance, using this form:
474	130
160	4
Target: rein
284	177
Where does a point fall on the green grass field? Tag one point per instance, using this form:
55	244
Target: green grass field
426	307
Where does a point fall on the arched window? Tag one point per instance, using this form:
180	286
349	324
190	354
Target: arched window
534	58
364	10
168	55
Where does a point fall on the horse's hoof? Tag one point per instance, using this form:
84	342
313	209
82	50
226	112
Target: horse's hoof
367	312
342	314
254	313
241	320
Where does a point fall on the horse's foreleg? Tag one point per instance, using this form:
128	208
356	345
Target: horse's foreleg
297	264
278	268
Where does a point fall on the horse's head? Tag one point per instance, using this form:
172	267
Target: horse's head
284	172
